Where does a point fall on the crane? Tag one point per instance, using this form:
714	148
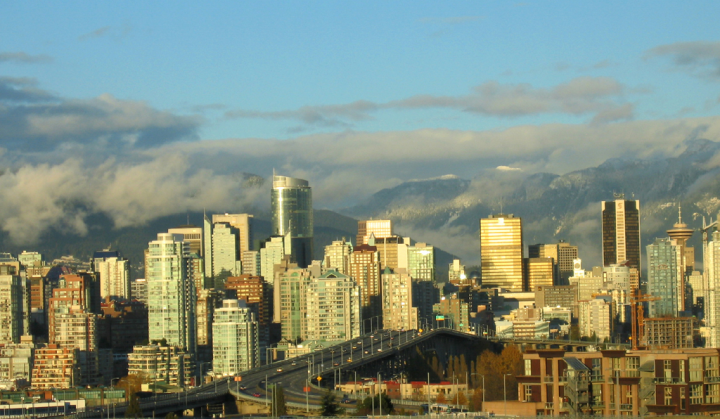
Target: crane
638	314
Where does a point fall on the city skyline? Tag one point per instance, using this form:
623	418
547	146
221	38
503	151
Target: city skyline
421	95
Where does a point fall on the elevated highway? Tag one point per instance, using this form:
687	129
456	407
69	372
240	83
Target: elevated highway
384	350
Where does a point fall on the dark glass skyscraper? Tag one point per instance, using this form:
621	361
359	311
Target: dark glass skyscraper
621	231
292	214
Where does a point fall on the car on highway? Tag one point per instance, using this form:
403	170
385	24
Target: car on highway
293	363
349	360
336	364
243	388
379	350
359	342
279	370
367	352
256	395
354	347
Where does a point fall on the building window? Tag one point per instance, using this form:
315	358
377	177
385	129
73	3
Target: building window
683	402
711	393
696	395
528	393
696	368
528	367
668	396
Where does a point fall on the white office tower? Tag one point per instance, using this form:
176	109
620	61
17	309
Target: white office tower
171	295
235	339
114	272
711	262
270	255
225	253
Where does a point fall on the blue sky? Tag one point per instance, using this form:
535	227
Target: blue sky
211	59
144	109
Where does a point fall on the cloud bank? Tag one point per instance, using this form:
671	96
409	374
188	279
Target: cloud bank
601	97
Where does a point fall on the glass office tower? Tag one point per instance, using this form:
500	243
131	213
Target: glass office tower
292	213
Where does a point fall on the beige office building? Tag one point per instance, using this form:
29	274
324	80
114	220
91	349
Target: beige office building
501	252
244	224
379	228
393	251
539	271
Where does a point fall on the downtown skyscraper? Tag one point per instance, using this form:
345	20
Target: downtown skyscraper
501	252
292	212
621	232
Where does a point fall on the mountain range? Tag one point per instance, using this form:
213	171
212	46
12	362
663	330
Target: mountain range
445	211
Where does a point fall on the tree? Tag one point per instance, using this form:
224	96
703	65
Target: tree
575	332
329	405
440	398
477	399
379	401
279	408
133	410
461	399
171	415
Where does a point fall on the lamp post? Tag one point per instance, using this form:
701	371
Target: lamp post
428	393
112	388
379	394
505	392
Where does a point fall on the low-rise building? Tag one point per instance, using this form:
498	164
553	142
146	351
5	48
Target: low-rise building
168	364
55	367
622	382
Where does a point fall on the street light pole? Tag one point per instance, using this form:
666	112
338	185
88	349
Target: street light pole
380	394
505	392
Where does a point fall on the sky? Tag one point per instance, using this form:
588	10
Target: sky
141	109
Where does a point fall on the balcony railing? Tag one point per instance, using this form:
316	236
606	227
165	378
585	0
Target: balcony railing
626	407
712	379
668	380
549	406
548	379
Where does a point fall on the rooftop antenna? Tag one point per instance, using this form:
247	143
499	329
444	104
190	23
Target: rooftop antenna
501	204
679	213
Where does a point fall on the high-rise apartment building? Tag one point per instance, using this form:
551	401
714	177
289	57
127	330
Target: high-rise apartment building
11	307
337	255
380	229
333	308
501	252
398	310
421	262
257	295
138	290
596	318
665	278
621	232
711	272
235	343
171	296
364	267
292	213
114	273
290	306
244	223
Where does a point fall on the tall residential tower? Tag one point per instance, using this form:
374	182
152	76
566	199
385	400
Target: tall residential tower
501	252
